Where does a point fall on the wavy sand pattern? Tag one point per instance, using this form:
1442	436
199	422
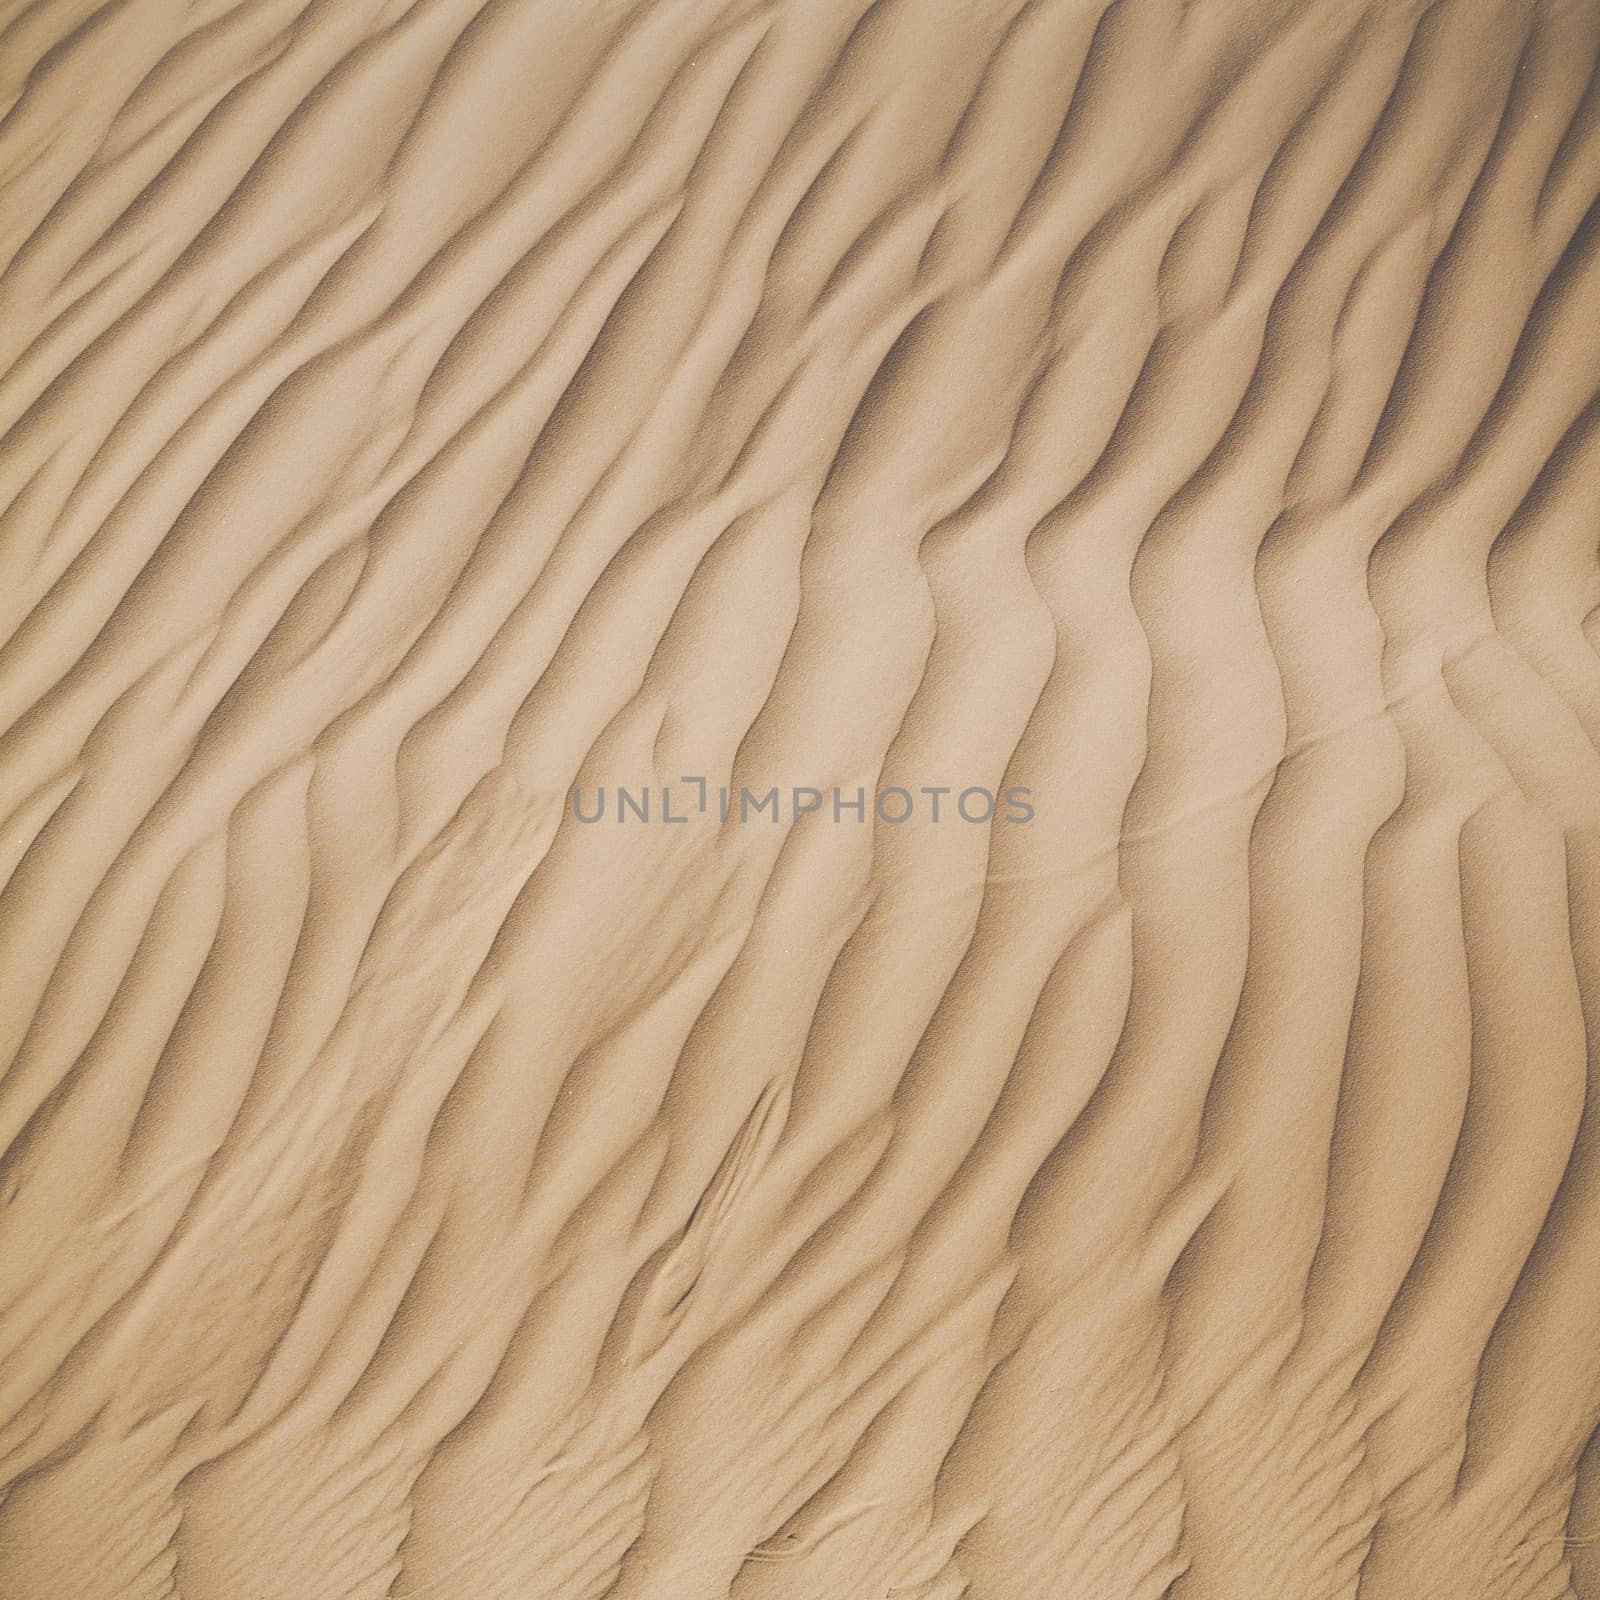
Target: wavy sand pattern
1184	411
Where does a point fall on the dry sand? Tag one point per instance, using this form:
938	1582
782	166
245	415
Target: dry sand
1181	414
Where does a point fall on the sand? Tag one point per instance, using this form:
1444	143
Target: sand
801	799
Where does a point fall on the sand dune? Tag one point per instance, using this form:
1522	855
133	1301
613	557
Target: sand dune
801	800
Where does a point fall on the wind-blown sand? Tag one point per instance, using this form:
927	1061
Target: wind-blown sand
1181	414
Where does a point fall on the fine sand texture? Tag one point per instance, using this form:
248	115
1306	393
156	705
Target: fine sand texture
799	799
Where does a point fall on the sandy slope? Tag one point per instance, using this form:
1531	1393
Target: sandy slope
1184	411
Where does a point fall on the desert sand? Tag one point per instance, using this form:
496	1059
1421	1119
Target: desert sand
801	799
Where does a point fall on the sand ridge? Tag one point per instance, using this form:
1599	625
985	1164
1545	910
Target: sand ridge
416	415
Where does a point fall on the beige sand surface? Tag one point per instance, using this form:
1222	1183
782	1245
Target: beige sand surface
1181	414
